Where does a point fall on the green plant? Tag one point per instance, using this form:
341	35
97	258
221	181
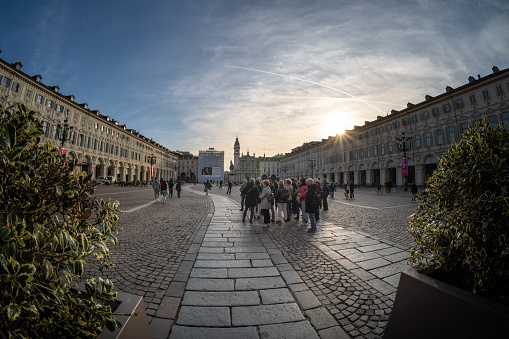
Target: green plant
51	227
461	227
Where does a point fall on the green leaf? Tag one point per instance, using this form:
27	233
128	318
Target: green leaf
10	248
39	239
28	256
48	269
5	232
13	312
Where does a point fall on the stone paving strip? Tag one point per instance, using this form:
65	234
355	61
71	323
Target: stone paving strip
236	288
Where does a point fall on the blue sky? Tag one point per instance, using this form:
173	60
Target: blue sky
162	67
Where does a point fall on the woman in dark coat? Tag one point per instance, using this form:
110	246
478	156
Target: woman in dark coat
312	203
251	192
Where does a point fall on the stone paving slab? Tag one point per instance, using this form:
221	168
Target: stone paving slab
297	330
183	332
266	314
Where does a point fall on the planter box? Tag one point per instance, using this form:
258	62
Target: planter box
428	308
132	327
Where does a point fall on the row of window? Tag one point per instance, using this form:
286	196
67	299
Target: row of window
426	139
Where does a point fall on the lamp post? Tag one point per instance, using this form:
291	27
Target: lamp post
176	166
404	145
63	132
312	164
152	163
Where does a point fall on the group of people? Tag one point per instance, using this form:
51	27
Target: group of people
304	197
166	188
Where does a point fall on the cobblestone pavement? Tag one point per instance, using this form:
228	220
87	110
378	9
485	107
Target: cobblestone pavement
343	278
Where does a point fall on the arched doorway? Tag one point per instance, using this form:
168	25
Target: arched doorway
351	174
391	168
363	175
430	164
376	173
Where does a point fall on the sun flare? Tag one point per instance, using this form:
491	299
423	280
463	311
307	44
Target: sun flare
336	123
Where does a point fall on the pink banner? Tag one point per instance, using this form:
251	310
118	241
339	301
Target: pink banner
404	165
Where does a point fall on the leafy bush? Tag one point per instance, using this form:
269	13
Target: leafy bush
462	223
51	227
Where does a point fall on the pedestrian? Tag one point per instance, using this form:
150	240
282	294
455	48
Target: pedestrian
414	191
221	184
332	189
312	203
352	188
302	200
289	187
282	197
379	186
208	186
170	188
319	191
325	195
273	202
347	190
260	188
178	187
251	193
164	189
265	203
242	195
156	186
230	184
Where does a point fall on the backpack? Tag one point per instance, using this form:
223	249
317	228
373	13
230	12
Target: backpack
284	195
270	198
316	199
325	192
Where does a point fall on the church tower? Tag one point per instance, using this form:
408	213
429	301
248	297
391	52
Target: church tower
236	153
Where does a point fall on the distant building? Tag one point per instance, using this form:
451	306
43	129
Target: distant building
249	166
211	165
101	145
373	153
187	169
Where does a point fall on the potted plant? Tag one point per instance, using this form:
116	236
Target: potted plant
51	229
459	285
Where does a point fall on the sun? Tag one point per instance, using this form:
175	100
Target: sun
336	123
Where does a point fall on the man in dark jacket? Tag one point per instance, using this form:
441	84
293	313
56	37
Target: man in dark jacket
312	203
251	192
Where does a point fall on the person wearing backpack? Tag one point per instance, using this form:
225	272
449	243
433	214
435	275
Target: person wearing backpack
178	187
251	193
312	203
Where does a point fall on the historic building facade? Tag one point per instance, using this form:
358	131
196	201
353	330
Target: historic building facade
249	166
102	146
374	153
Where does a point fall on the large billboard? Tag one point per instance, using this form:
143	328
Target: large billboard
211	165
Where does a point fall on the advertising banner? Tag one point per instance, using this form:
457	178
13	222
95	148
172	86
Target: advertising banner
404	165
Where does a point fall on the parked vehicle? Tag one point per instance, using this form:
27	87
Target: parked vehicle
104	180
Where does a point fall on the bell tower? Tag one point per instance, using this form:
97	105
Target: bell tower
236	153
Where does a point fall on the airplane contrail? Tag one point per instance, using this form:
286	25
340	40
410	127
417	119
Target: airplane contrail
310	82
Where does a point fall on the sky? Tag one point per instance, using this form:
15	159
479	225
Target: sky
196	74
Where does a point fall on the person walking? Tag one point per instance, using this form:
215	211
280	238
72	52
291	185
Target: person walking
265	203
352	188
230	185
296	199
208	186
347	190
178	187
251	193
332	189
273	202
325	195
164	189
414	191
170	188
242	195
379	186
156	186
312	203
221	184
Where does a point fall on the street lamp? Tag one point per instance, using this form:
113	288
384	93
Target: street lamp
312	164
176	166
152	163
404	145
63	133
